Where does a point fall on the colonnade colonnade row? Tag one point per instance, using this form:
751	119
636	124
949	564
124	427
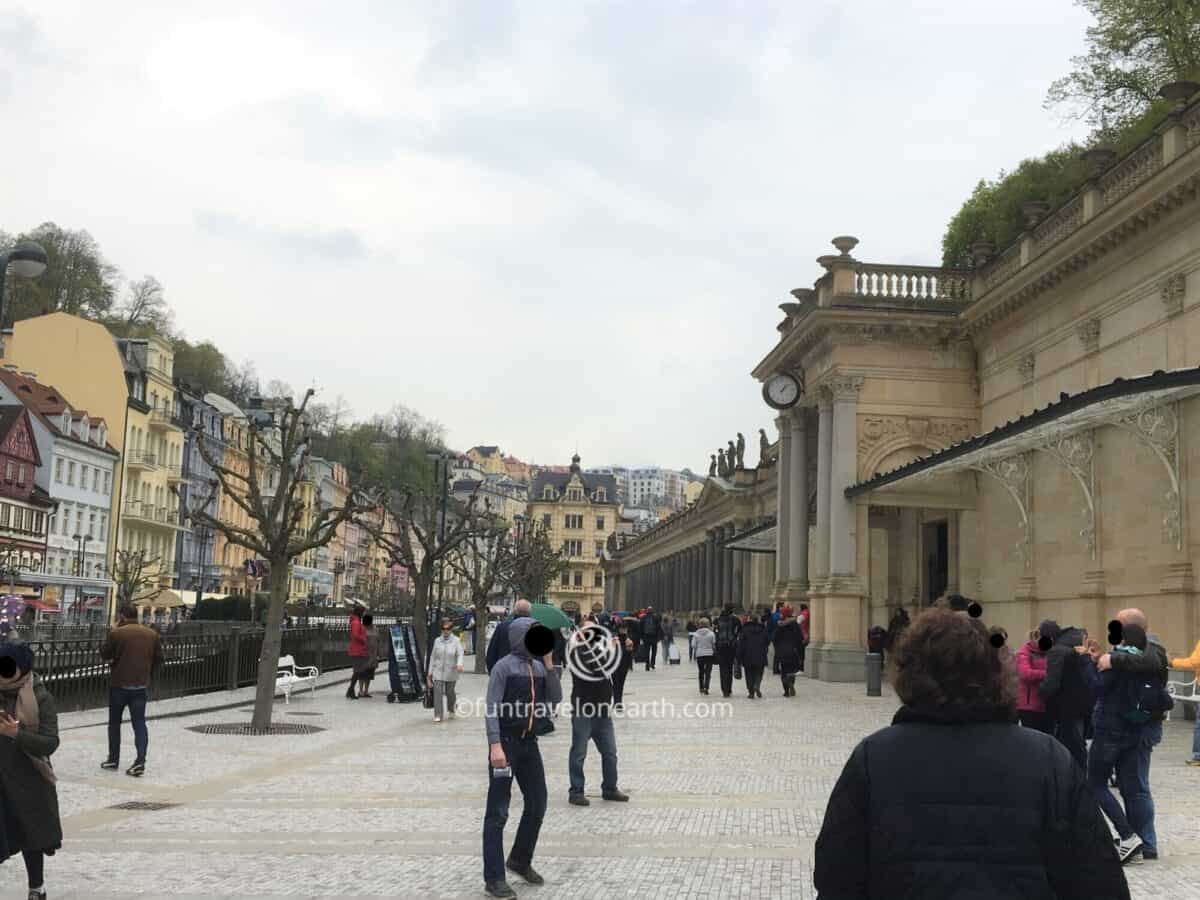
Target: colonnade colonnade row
699	578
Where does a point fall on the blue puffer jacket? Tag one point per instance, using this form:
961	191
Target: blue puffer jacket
521	693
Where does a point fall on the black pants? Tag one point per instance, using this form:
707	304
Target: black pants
651	653
1070	734
618	683
725	661
1039	721
35	863
802	648
754	676
704	669
525	760
789	682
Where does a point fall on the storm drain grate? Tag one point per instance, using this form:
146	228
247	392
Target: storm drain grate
243	728
143	805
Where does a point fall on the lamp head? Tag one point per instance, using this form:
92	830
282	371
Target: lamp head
27	259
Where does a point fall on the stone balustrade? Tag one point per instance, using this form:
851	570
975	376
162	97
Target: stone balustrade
911	283
1067	219
1126	175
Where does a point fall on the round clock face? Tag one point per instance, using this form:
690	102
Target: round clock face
781	391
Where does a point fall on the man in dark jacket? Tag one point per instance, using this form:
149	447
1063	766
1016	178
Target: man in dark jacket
521	695
727	629
498	647
752	654
1126	745
651	633
590	654
1069	690
135	653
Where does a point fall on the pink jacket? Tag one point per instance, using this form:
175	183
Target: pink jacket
1031	669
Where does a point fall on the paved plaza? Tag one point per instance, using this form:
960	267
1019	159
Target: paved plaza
384	803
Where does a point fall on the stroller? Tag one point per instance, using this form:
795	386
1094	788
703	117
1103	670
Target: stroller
406	677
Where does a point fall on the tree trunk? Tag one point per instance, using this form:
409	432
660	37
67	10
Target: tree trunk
421	586
481	617
268	663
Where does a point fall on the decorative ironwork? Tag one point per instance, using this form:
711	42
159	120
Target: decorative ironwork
1157	427
1076	453
1013	474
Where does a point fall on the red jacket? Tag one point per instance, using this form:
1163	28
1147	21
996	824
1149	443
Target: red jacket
803	620
1031	669
358	637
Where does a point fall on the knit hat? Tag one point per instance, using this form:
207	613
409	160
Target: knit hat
1049	629
21	654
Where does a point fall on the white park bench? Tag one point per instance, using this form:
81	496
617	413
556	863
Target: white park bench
1184	692
291	676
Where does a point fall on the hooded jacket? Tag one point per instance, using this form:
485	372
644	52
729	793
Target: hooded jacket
1005	813
1069	687
705	642
521	692
1031	671
788	643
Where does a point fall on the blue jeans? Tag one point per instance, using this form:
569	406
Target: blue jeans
600	730
135	699
1128	752
525	760
1196	739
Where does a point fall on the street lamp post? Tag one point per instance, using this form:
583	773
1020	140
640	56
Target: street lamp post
26	259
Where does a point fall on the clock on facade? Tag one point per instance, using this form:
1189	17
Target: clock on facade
782	391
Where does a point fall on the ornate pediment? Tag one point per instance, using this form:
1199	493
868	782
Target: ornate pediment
879	437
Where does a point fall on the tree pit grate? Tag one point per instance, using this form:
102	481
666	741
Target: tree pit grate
243	728
290	713
143	805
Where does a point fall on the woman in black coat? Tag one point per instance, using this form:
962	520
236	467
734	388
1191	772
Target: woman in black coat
788	643
954	800
28	736
752	654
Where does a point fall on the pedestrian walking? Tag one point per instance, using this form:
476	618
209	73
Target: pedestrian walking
803	618
1192	662
691	634
357	651
727	630
651	632
1069	690
591	714
789	645
705	641
896	626
1128	724
752	654
668	637
445	662
1031	671
135	654
28	738
954	800
372	660
468	631
624	662
523	689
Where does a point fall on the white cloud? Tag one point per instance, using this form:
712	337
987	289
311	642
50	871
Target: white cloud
551	226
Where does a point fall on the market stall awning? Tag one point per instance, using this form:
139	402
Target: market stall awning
1129	402
164	599
759	539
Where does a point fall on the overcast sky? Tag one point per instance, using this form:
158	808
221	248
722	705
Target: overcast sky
548	225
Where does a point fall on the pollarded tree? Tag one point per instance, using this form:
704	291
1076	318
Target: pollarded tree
135	574
270	492
481	561
410	535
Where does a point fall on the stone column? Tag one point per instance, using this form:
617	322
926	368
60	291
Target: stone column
824	468
728	570
710	573
783	514
737	562
797	504
841	655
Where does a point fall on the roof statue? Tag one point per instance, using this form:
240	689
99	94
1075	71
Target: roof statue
741	450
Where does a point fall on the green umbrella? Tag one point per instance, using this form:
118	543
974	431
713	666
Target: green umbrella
550	616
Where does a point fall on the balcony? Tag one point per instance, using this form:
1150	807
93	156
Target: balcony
174	474
141	461
161	418
148	514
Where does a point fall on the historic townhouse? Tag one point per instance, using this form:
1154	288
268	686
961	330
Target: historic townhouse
25	508
579	512
196	568
77	474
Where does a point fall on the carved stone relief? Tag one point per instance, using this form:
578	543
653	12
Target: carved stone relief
1173	290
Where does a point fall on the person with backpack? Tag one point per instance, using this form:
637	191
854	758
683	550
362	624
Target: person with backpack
727	630
1126	703
1149	669
1069	690
752	654
651	634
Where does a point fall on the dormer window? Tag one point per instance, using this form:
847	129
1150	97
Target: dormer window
547	493
66	421
101	435
601	496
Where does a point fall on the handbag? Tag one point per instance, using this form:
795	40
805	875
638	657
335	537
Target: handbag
427	700
737	671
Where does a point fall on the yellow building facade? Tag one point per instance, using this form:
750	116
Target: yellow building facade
579	512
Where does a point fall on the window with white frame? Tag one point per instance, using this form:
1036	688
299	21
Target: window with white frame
58	470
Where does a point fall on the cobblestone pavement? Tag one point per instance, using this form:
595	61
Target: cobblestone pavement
383	803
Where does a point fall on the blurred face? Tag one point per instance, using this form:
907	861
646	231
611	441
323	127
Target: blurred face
446	628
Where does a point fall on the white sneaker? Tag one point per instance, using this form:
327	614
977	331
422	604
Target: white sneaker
437	720
1128	848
